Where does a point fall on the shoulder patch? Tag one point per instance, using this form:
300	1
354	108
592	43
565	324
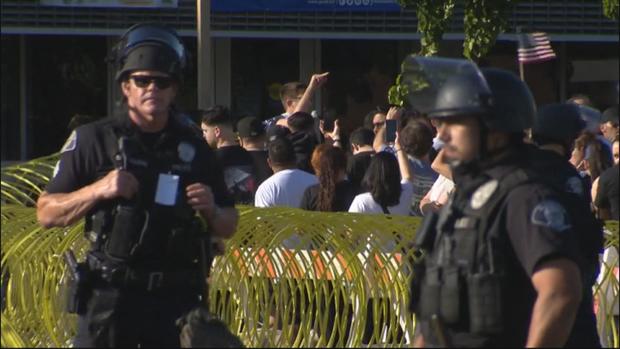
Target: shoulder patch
550	214
574	185
70	143
483	193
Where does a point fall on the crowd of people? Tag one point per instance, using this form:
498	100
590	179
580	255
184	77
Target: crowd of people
295	160
496	200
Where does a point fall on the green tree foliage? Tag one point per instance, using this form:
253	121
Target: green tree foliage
484	20
433	17
610	8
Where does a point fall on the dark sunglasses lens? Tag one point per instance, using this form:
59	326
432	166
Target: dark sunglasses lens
144	81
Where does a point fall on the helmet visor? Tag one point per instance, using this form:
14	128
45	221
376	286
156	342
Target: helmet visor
426	77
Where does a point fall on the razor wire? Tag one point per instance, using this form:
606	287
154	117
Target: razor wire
289	278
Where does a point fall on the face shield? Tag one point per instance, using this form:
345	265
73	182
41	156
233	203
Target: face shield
445	87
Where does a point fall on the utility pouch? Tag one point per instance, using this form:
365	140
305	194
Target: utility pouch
450	295
79	285
425	236
429	293
101	315
485	303
129	225
182	246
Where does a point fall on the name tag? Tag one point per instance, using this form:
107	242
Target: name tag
167	187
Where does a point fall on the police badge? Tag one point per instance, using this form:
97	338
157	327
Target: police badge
483	193
186	151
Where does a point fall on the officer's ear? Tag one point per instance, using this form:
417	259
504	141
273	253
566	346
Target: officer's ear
125	87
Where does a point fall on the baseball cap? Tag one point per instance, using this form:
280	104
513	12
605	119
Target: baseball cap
250	127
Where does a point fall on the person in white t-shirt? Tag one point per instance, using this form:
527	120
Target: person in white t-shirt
388	179
287	184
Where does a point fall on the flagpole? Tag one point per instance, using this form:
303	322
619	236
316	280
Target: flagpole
521	72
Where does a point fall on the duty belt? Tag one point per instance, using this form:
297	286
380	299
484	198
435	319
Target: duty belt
150	280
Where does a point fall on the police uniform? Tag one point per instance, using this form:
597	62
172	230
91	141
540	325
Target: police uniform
473	285
138	287
526	223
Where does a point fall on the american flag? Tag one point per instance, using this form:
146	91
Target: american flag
534	47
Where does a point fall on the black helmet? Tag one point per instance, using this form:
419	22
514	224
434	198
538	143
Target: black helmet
445	87
513	108
150	46
560	122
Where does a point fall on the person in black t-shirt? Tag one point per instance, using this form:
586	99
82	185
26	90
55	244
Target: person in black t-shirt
301	125
238	164
252	138
333	192
361	145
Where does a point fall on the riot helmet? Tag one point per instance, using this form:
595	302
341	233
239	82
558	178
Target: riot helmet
150	46
560	123
513	108
445	87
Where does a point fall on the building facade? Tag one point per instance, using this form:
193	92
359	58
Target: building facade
54	72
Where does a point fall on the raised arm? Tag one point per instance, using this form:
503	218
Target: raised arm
316	81
403	161
440	166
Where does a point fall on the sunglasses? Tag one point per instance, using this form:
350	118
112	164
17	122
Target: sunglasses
161	82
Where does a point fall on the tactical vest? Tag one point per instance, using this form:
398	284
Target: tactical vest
460	279
132	231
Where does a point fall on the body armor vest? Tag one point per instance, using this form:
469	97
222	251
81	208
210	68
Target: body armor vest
461	276
138	230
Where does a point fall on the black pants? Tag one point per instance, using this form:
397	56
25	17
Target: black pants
128	318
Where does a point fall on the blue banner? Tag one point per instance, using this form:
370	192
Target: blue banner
303	5
111	3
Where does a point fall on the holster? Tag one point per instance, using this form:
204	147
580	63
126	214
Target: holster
79	285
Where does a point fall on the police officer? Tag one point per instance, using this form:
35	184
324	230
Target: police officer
501	263
554	132
139	178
